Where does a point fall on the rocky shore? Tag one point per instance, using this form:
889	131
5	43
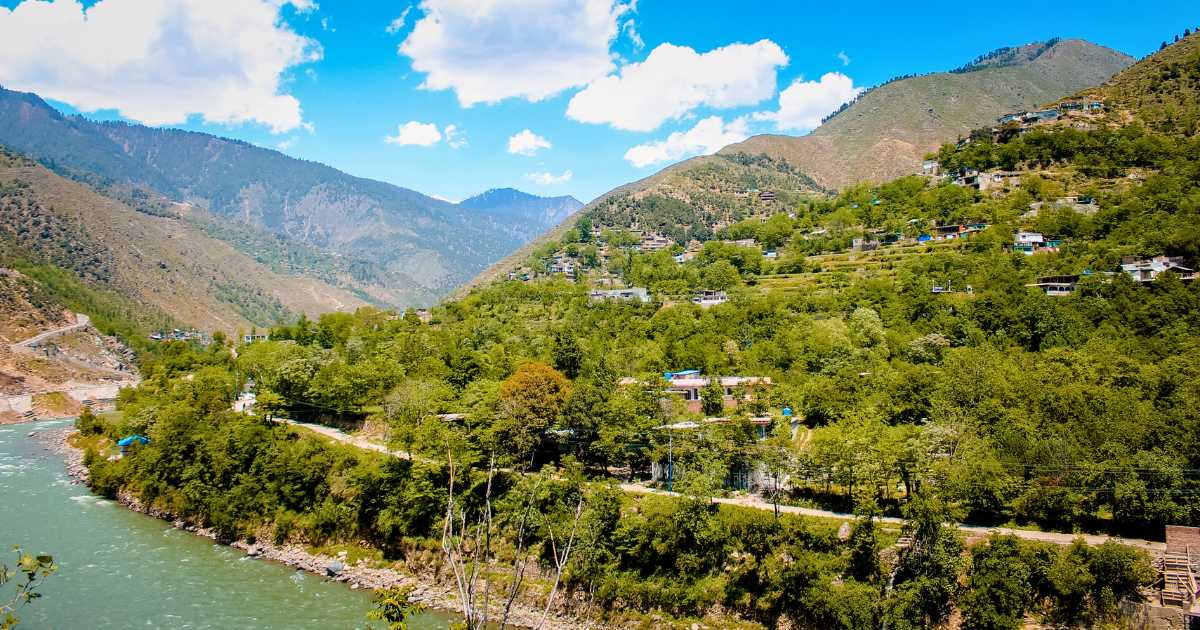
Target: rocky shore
357	576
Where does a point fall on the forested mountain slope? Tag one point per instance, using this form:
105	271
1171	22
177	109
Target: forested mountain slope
424	246
887	131
521	214
883	135
164	263
933	379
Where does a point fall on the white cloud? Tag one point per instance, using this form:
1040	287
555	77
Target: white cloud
416	133
286	143
674	80
489	51
159	62
804	103
526	142
455	138
421	134
630	30
549	179
707	136
398	24
843	57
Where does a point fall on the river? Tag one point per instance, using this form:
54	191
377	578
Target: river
121	569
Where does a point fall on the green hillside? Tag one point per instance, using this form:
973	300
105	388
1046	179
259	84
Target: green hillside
934	380
419	246
164	263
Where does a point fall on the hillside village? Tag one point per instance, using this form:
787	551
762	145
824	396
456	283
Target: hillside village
776	246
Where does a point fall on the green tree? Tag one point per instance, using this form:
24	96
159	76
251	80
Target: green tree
530	401
391	605
27	576
998	589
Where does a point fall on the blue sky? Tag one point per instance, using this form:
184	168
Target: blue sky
605	84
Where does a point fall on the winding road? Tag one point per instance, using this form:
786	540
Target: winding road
758	504
81	321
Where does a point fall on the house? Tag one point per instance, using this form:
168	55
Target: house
1015	117
563	266
1043	115
1029	243
254	337
685	256
653	242
708	299
945	232
767	197
930	168
1056	286
424	315
632	294
864	245
1148	269
690	385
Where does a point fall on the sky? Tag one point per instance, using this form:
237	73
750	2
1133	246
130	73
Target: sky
554	97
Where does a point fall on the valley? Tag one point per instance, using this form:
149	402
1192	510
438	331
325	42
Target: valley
931	365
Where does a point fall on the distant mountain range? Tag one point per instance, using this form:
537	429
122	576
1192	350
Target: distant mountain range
523	215
885	133
402	246
165	268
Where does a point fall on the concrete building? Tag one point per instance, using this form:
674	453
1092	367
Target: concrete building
708	299
1147	269
632	294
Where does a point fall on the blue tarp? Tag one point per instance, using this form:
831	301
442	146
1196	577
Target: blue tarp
140	439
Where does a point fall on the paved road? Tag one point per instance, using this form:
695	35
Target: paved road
81	321
759	504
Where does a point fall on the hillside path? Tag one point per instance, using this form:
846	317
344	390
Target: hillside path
81	321
759	504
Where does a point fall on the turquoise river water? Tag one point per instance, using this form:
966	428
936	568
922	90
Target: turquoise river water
120	569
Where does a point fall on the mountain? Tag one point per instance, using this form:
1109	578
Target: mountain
887	131
165	267
523	215
418	246
685	201
1161	91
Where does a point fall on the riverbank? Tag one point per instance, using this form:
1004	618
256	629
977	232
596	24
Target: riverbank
360	575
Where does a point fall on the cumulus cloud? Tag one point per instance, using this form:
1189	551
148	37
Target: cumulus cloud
526	142
674	80
707	136
549	179
397	24
416	133
489	51
159	62
844	58
803	103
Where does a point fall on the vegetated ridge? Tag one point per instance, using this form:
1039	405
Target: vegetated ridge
165	264
885	133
